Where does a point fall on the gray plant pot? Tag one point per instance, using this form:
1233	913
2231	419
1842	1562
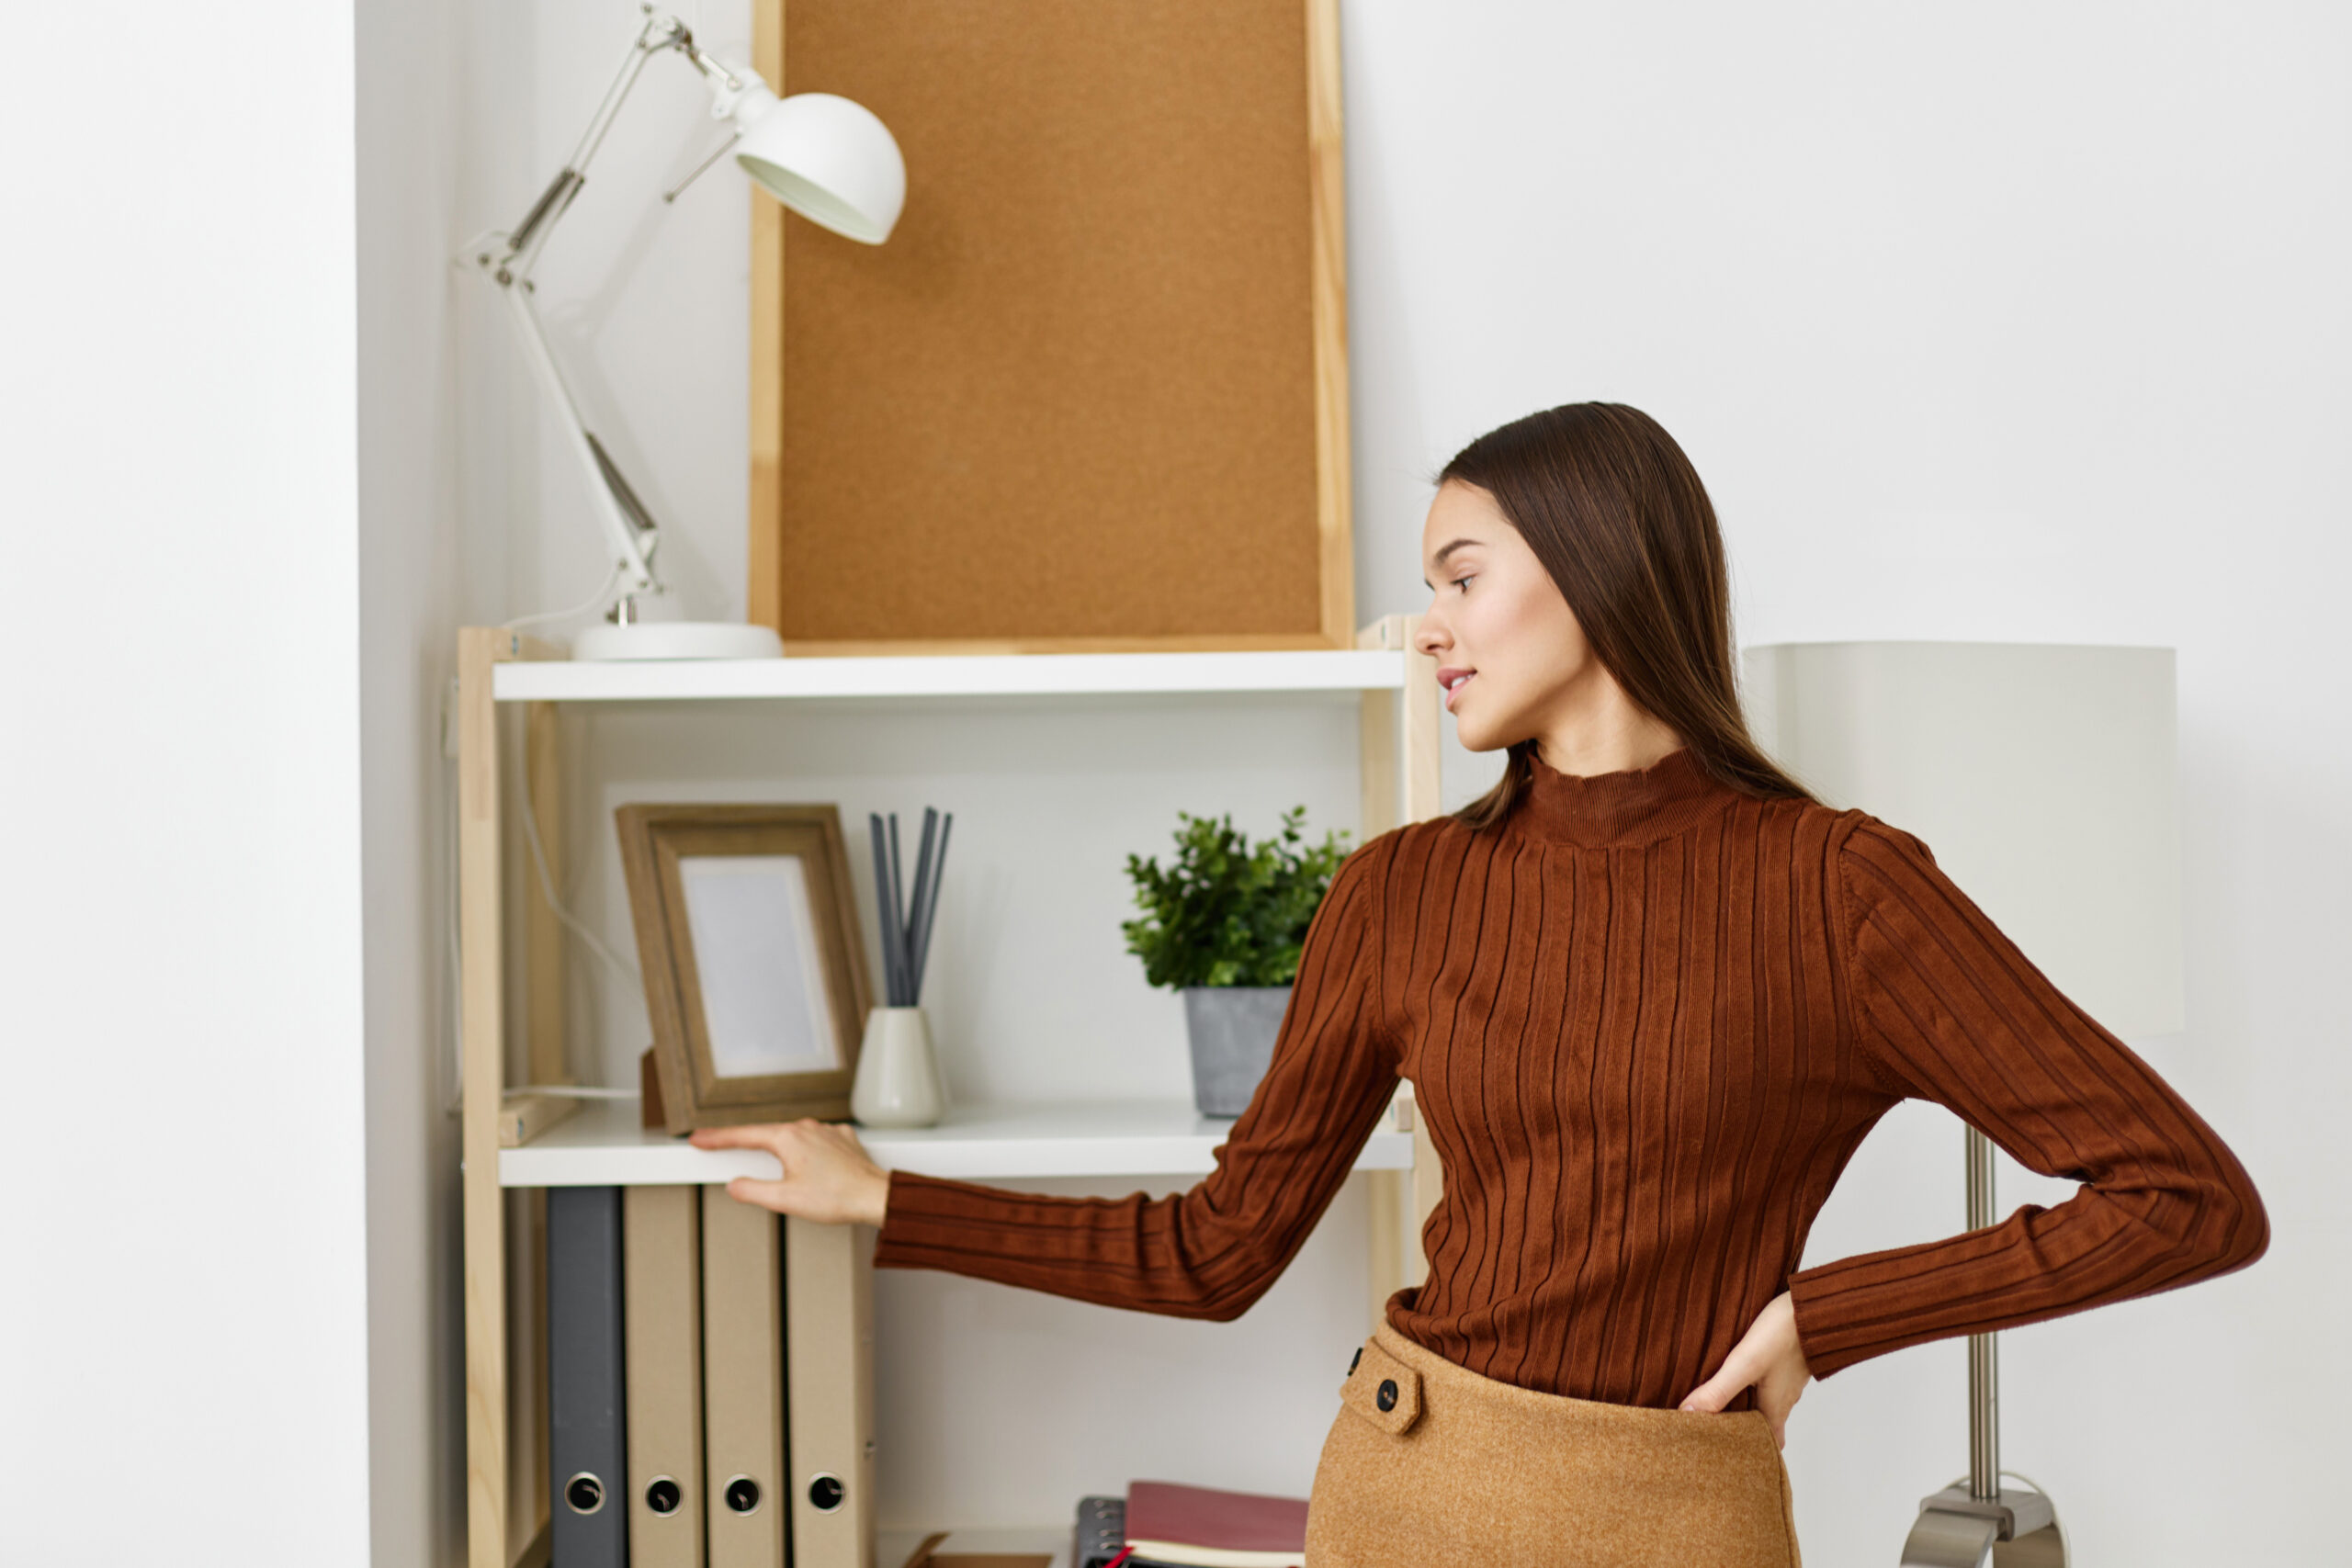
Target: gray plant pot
1232	1030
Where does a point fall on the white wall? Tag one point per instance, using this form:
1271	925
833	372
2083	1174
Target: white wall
433	479
2011	322
183	1329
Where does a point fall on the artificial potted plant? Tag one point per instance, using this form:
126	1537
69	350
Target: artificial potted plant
1223	925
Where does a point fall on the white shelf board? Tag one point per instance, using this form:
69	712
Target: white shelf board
604	1147
947	675
893	1547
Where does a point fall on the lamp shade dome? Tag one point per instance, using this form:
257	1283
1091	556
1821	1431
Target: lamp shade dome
830	159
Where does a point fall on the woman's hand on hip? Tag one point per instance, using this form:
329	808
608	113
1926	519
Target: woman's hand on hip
1767	1358
827	1175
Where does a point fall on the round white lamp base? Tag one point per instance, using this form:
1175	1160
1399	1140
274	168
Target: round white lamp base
678	639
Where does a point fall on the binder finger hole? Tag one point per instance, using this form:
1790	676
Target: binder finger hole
663	1495
583	1494
742	1495
825	1493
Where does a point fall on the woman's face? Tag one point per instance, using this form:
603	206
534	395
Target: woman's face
1496	616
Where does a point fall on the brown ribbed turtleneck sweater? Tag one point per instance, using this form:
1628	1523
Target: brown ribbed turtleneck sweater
1647	1017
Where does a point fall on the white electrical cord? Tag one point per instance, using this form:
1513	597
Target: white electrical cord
581	609
546	889
453	1101
595	944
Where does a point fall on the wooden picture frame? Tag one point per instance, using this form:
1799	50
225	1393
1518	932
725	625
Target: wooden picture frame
1091	396
747	929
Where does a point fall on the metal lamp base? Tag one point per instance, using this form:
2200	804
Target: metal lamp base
1977	1522
1958	1529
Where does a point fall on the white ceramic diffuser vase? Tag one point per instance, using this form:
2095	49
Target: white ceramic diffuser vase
898	1073
897	1082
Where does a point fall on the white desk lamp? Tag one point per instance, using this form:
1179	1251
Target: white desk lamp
826	158
2043	779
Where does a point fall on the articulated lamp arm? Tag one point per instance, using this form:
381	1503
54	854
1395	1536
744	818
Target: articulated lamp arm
507	259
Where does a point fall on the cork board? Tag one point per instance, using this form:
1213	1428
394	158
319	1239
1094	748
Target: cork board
1092	394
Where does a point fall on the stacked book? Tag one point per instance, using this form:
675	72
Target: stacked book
709	1383
1159	1524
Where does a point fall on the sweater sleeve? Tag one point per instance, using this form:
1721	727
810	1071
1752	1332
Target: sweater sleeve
1212	1251
1945	1008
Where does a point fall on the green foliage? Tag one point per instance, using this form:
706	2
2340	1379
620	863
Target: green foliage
1227	914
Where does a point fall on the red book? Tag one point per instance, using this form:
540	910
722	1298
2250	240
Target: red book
1212	1528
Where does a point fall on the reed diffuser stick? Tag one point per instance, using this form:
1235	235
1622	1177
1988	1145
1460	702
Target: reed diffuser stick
883	900
907	920
898	918
927	904
922	883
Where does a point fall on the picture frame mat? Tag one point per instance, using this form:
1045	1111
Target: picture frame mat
760	1001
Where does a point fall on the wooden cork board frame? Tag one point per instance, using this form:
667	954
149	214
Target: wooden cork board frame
1091	396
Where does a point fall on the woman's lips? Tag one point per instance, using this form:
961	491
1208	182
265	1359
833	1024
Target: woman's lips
1454	681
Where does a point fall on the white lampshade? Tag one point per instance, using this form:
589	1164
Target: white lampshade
2041	776
827	158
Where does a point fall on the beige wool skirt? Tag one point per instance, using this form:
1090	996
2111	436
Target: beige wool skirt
1431	1465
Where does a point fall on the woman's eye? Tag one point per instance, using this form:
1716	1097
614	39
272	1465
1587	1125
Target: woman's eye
1463	582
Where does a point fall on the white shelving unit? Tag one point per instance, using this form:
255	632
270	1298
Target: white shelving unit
1337	673
602	1144
604	1147
894	1547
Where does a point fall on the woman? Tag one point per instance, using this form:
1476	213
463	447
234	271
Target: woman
1651	995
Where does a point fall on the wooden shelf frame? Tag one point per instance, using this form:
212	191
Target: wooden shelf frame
503	1188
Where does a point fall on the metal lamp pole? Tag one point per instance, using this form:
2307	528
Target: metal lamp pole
1970	1524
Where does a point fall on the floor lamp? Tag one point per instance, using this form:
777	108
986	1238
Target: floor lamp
2043	779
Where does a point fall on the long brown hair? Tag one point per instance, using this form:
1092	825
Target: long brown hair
1616	513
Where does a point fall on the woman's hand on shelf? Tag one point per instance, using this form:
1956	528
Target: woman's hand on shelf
1768	1358
827	1175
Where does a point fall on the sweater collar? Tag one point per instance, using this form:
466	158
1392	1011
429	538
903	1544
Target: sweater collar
1632	806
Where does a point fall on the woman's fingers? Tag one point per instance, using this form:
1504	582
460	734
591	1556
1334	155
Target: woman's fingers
1770	1396
759	1137
1718	1391
1778	1393
827	1175
1774	1412
1768	1358
777	1195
